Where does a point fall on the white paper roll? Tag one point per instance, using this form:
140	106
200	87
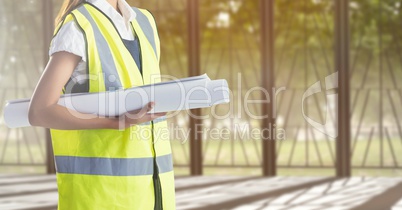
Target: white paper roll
187	93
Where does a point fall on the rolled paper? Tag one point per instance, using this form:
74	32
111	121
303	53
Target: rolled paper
175	95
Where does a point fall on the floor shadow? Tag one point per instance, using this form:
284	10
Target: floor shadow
198	182
385	200
229	204
286	193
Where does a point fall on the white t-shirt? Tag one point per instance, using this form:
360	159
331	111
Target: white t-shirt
70	39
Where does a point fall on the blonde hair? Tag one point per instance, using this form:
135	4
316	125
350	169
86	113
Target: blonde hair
67	6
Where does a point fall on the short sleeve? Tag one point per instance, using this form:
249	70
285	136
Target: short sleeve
70	39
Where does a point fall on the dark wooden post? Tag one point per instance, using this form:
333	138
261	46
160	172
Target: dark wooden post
342	66
194	69
268	83
47	15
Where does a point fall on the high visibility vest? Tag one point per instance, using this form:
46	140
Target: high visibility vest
107	168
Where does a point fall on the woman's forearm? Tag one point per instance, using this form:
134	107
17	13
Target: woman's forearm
60	117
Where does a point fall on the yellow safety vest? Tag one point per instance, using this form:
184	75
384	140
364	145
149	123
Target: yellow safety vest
106	168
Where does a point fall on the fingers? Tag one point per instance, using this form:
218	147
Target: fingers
152	116
142	115
147	108
158	114
141	112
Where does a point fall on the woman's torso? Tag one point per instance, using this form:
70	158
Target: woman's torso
70	38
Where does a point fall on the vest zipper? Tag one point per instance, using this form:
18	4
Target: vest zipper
155	176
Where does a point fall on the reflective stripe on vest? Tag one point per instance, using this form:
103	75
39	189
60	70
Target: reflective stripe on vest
106	58
146	28
112	166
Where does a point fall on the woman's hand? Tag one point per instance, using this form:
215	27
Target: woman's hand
139	116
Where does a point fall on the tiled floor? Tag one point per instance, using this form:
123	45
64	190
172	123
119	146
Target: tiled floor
232	192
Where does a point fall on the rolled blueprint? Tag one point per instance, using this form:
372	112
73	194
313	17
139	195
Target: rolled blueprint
175	95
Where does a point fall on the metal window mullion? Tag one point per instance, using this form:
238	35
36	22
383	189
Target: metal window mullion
343	157
268	83
193	70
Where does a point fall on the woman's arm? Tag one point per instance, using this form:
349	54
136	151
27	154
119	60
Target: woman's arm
45	112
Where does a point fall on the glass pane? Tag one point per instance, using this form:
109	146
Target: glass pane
21	63
304	32
376	62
